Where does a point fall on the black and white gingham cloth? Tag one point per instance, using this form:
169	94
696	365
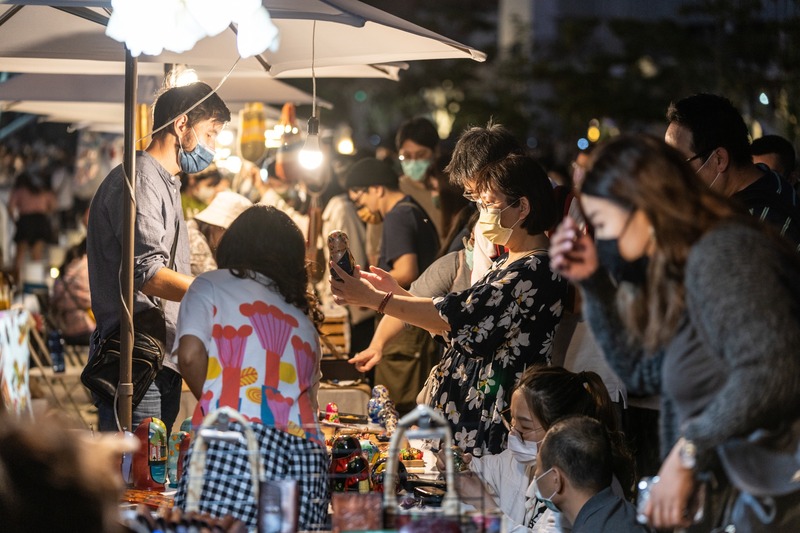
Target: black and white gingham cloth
227	488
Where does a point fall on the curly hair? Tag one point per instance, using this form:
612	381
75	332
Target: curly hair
266	241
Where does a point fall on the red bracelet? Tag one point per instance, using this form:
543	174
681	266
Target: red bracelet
384	302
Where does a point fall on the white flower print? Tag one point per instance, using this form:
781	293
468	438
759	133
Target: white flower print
547	345
483	328
466	305
507	278
496	298
485	381
557	308
474	398
452	412
460	374
524	292
465	439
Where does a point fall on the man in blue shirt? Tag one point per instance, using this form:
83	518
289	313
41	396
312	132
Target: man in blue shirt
186	144
573	477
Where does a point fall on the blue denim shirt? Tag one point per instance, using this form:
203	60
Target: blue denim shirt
158	210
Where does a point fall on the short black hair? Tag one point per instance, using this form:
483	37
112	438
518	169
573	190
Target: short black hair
477	147
518	176
174	102
714	123
775	144
420	130
579	446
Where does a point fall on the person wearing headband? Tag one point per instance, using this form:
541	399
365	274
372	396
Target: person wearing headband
187	121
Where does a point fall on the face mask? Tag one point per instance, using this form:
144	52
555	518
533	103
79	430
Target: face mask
547	501
620	268
415	168
489	224
197	160
469	257
524	452
369	217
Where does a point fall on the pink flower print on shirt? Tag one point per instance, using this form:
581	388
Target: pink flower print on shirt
306	361
280	407
231	344
201	410
273	328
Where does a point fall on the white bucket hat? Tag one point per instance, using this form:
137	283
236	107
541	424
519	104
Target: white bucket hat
224	209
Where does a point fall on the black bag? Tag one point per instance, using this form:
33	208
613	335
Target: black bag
101	374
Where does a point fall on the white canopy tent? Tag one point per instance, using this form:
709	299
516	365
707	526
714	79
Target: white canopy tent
345	33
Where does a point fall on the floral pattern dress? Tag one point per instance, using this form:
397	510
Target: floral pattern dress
498	327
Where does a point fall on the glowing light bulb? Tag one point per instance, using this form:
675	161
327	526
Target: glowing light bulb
311	156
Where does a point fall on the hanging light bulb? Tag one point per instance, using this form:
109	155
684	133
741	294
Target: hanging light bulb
310	155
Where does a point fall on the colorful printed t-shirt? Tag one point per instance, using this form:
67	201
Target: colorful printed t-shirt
263	353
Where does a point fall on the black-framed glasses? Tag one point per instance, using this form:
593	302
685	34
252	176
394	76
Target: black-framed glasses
701	155
511	428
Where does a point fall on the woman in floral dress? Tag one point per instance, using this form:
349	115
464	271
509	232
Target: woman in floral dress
247	340
502	324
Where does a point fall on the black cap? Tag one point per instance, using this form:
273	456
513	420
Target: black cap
369	172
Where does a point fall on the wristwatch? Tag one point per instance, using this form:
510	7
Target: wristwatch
687	454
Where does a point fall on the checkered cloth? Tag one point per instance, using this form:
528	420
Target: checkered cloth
227	488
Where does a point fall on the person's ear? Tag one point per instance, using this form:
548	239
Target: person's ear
558	480
181	125
524	208
721	159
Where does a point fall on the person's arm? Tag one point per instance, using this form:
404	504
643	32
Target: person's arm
388	328
746	313
405	270
167	284
574	256
640	373
193	362
153	239
354	290
193	334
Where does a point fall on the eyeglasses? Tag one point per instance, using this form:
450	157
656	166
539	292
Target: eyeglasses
493	205
701	155
512	429
470	196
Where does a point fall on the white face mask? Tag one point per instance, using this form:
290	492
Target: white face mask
524	452
489	224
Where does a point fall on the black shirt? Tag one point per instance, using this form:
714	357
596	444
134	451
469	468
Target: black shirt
407	229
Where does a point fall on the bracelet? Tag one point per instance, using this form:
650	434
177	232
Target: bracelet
384	302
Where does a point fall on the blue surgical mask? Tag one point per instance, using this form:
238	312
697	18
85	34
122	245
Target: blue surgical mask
197	160
547	501
415	168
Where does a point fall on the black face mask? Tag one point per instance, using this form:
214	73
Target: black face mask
620	268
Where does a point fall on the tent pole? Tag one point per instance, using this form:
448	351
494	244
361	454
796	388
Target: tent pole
128	224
